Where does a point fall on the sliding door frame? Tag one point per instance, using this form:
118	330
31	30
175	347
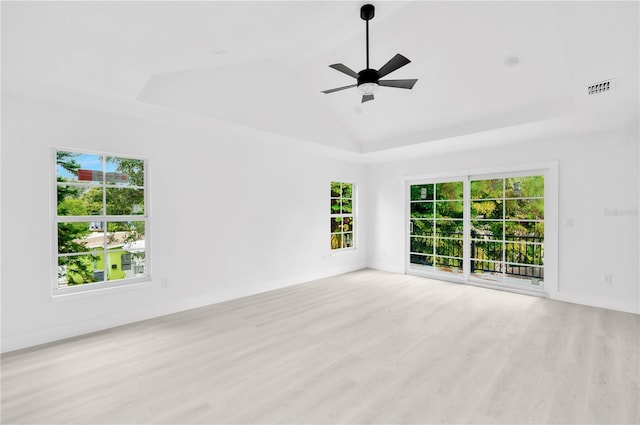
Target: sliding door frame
547	169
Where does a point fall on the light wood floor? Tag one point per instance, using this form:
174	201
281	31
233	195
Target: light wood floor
365	347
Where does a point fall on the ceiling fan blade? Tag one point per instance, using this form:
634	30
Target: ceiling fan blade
344	69
398	61
367	97
338	89
401	84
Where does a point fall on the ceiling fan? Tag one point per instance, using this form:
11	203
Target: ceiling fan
369	79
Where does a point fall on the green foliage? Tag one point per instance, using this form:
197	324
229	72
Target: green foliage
422	192
134	168
449	190
66	160
336	189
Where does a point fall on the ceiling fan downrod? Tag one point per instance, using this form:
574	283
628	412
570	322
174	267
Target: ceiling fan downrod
367	12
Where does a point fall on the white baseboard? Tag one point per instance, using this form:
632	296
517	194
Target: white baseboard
387	268
82	327
88	326
44	336
627	305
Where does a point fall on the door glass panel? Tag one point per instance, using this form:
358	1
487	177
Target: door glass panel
507	230
421	227
422	210
436	245
422	245
422	192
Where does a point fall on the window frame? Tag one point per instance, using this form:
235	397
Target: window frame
353	215
104	217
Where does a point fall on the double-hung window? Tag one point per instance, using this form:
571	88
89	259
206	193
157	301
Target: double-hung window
342	217
100	223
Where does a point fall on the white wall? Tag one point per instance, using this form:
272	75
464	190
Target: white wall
598	189
265	199
234	211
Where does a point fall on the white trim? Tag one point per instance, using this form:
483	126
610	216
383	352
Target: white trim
497	171
77	291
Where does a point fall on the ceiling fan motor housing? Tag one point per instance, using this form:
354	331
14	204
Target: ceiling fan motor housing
368	76
367	12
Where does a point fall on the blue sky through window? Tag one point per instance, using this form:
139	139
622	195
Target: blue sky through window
87	162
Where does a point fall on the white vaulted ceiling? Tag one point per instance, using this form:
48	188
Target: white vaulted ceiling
276	57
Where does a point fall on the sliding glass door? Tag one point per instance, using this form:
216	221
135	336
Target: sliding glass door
476	228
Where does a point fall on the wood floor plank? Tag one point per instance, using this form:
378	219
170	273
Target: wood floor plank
364	347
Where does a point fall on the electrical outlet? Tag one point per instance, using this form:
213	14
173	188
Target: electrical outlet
607	279
164	282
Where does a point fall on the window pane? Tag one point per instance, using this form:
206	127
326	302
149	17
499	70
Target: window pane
422	209
347	206
487	270
486	250
524	187
336	224
125	201
422	260
449	190
79	200
80	237
521	230
449	228
347	224
422	192
422	245
81	269
125	264
126	235
336	241
124	171
348	240
527	274
422	227
347	190
449	247
77	167
451	265
486	189
525	209
449	209
336	190
524	253
486	209
335	206
487	230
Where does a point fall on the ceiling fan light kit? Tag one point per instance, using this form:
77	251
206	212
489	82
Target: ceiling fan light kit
368	80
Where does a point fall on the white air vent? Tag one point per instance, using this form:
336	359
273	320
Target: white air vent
601	87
